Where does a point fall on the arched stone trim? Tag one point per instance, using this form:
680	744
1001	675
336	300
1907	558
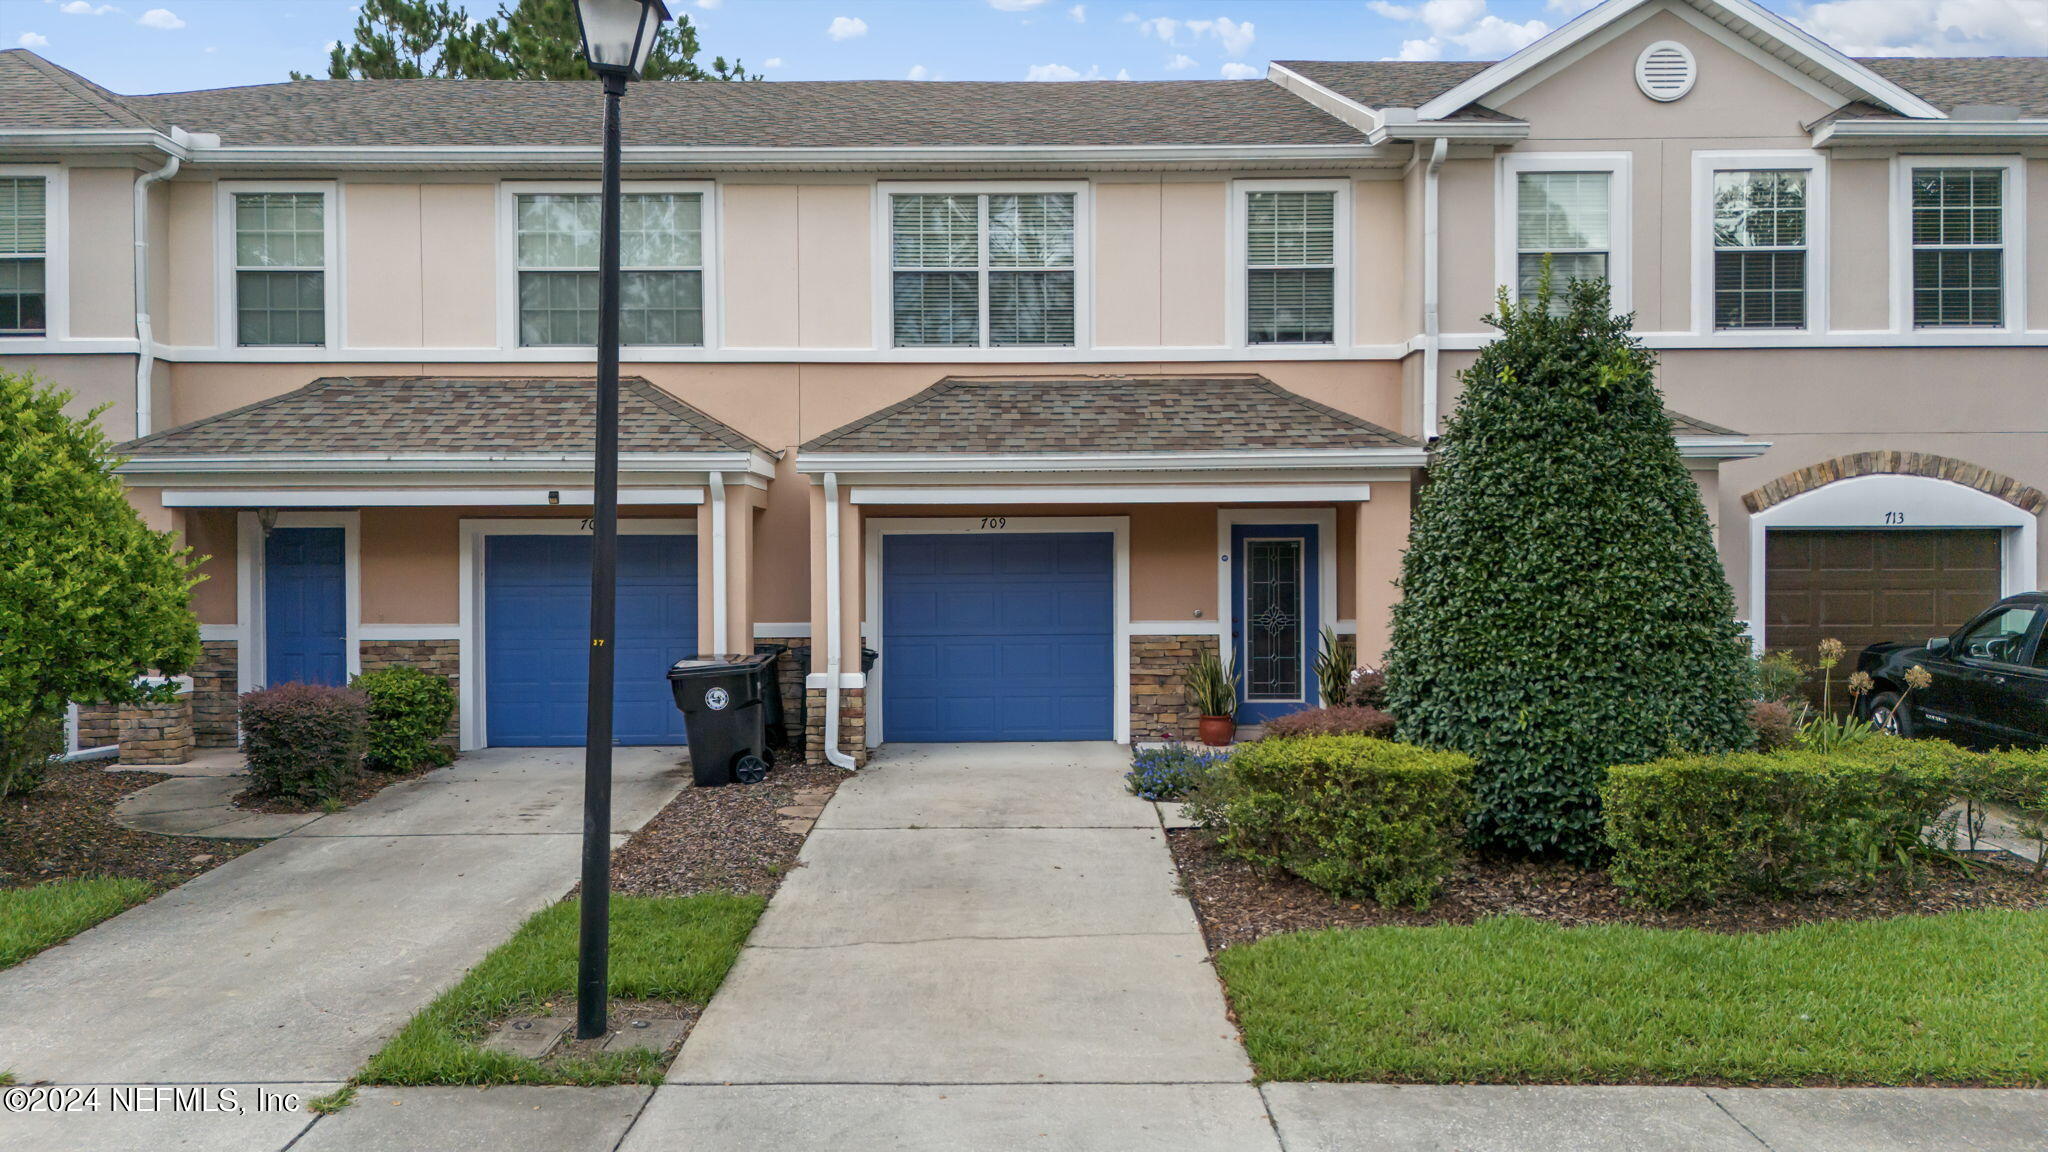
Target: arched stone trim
1895	463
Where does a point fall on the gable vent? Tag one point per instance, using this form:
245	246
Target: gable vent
1665	70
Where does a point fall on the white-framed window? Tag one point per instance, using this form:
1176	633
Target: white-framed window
1956	235
994	266
1571	209
1759	243
278	258
25	236
1290	250
548	260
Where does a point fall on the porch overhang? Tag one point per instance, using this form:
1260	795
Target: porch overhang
260	480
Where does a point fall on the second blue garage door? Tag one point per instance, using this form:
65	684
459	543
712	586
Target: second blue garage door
537	637
998	636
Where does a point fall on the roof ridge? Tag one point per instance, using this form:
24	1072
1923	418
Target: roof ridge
106	101
698	418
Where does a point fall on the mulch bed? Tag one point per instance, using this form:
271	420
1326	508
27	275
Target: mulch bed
1238	903
65	829
366	784
711	839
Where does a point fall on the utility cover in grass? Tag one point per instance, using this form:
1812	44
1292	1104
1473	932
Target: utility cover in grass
1563	609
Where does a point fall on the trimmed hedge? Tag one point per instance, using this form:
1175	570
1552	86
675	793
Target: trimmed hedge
1351	815
409	709
1696	829
1339	720
304	740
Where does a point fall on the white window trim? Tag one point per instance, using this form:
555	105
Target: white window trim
1120	612
508	269
2013	206
1818	226
1620	216
884	329
1325	521
1237	271
56	256
225	328
469	658
1921	502
249	632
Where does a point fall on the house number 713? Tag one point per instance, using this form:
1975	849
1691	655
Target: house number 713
1895	517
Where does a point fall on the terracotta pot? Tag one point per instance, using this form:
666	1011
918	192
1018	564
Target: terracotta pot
1217	731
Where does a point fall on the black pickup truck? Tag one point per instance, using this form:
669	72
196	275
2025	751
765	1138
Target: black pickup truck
1990	686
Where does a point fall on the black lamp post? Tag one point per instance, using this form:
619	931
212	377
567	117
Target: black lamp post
618	35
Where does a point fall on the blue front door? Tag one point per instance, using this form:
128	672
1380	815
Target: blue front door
1274	591
537	637
305	607
998	636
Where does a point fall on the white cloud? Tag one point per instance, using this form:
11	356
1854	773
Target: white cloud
1180	63
86	8
918	72
1235	37
1463	24
1014	5
1569	8
1420	50
330	46
1051	72
1493	36
1236	71
1123	73
33	40
846	28
772	62
1928	27
161	18
1078	13
1164	27
709	3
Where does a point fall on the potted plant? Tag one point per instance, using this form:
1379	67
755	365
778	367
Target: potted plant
1211	686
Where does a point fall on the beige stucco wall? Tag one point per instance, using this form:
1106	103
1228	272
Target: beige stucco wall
835	249
381	263
1859	244
102	246
760	269
1128	242
185	314
211	534
92	381
458	265
1379	249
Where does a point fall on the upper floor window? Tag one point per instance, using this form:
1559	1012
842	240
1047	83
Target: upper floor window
24	251
1291	267
280	262
982	269
1760	249
1958	235
1567	217
661	257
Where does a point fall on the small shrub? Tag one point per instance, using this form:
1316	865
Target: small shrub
304	740
1338	721
1777	727
1351	815
409	709
1696	829
1211	686
1779	676
25	753
2016	780
1171	772
1336	662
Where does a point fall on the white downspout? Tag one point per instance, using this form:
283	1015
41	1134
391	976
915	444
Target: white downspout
833	754
145	339
1432	339
719	640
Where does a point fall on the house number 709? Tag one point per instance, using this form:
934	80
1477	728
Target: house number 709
995	521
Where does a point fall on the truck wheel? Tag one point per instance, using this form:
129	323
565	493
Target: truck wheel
1887	716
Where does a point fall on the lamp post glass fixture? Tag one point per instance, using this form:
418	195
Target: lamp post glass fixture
618	36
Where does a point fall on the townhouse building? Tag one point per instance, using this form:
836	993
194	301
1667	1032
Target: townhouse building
1035	389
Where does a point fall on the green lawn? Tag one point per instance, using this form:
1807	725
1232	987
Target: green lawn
1953	999
32	919
663	948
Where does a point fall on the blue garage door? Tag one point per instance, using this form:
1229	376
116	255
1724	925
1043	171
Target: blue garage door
998	637
537	637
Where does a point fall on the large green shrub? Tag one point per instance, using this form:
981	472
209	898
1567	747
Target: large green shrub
90	598
1696	829
1352	815
1563	608
409	710
304	741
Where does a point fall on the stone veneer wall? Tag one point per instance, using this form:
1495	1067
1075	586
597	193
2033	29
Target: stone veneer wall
790	669
1159	706
853	725
441	657
99	725
215	702
157	733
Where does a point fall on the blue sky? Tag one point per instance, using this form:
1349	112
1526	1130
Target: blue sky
159	45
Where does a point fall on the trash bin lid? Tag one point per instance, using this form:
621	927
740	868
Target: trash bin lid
719	665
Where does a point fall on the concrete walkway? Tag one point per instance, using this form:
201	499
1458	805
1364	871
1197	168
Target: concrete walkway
292	964
198	800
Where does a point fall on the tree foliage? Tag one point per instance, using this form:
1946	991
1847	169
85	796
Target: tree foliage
90	597
1563	609
528	40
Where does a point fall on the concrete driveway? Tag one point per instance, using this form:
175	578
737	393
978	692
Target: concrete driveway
292	964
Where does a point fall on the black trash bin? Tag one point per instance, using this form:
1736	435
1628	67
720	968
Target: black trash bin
725	712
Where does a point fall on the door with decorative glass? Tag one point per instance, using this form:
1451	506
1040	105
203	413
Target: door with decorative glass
1274	588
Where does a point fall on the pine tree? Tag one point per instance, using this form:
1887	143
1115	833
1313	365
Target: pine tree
531	40
1563	609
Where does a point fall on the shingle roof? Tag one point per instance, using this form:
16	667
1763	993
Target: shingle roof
1121	414
1388	83
1683	425
797	114
36	93
415	415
